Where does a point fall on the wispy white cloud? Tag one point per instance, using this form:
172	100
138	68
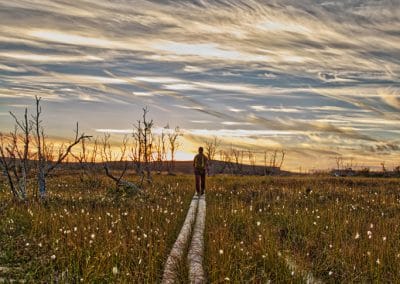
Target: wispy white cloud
390	96
291	67
47	58
278	109
206	51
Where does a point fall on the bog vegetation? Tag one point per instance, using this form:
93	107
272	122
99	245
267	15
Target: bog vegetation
110	218
257	229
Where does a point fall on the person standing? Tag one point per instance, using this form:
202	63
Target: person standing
200	166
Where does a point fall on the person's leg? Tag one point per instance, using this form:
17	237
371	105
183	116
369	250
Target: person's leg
197	180
203	183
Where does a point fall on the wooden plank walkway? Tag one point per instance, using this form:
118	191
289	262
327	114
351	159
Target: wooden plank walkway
194	217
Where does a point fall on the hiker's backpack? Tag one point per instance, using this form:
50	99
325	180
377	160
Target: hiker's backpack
200	162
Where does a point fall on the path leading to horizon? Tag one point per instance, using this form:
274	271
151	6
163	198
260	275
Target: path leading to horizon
193	231
190	242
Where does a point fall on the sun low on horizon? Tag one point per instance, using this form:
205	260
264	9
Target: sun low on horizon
318	79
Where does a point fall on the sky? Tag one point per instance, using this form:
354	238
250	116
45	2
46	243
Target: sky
317	78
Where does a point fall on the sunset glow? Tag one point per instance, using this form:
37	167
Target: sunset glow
319	79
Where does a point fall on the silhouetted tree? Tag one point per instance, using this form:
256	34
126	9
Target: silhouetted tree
45	163
109	157
14	156
173	147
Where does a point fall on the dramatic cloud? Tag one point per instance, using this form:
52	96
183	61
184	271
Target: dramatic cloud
391	97
318	78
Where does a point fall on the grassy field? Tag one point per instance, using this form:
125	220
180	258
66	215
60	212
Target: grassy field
340	229
88	234
257	229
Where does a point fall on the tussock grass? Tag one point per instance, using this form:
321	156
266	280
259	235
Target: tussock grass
237	249
339	229
89	235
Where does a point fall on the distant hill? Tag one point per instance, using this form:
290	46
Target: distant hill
186	167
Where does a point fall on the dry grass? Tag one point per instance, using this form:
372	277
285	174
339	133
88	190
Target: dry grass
238	249
340	229
88	234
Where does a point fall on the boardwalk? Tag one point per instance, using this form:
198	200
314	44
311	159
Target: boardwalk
195	217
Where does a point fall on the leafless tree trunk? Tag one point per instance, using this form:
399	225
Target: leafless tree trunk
225	160
212	147
137	148
26	128
211	150
339	162
173	147
15	161
275	161
108	157
241	161
147	143
283	154
252	160
160	152
350	163
229	157
142	151
238	157
272	161
383	167
44	168
7	163
87	160
265	163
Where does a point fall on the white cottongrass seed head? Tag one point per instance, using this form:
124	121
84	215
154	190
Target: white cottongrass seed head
115	270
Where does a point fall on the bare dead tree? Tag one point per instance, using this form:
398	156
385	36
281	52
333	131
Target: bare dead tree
160	152
142	150
157	165
44	165
87	160
383	167
272	161
173	147
350	163
339	162
23	158
241	161
396	170
6	164
229	159
225	158
15	155
211	148
238	158
252	160
283	154
275	160
109	157
137	148
11	165
147	143
265	162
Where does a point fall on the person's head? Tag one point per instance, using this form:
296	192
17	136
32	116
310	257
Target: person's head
201	150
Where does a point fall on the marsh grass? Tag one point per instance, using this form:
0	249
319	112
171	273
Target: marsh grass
340	229
238	249
89	235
